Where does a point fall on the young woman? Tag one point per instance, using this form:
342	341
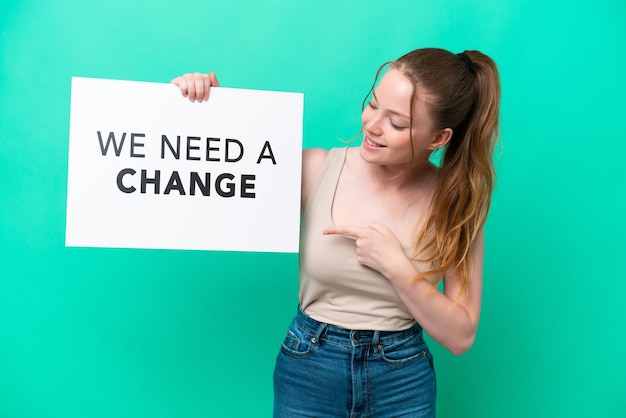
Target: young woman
382	226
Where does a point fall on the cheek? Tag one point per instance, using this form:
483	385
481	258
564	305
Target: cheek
400	137
366	115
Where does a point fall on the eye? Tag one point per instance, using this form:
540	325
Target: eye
372	105
397	127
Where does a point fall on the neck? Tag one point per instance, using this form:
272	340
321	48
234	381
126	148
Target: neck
400	177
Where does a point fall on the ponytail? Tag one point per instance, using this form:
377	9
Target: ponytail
466	88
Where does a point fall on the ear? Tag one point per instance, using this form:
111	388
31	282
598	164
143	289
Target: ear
440	139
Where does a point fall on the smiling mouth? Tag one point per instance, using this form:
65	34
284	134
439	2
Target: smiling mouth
373	144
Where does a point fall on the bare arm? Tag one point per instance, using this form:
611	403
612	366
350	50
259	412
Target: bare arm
312	163
449	317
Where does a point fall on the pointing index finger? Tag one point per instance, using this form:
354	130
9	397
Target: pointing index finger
346	231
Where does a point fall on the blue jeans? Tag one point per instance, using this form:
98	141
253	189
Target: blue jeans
327	371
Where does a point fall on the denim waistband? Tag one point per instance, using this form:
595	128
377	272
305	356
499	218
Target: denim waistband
328	332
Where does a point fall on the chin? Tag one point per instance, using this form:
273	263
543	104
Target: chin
368	154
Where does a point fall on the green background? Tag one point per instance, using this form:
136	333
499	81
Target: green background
141	333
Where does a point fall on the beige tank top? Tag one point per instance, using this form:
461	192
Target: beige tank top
334	287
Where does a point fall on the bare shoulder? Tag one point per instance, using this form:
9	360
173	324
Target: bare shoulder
312	162
314	157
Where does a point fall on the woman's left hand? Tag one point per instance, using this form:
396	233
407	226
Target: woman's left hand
377	247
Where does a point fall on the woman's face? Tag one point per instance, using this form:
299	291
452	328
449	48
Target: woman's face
387	134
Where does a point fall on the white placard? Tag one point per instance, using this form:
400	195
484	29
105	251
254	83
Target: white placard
149	169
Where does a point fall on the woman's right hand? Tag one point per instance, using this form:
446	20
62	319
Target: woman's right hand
196	86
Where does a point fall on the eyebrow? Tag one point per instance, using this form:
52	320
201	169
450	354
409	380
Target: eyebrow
391	110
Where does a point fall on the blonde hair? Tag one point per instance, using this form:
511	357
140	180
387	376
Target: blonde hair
465	92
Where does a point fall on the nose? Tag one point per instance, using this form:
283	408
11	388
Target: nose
372	123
